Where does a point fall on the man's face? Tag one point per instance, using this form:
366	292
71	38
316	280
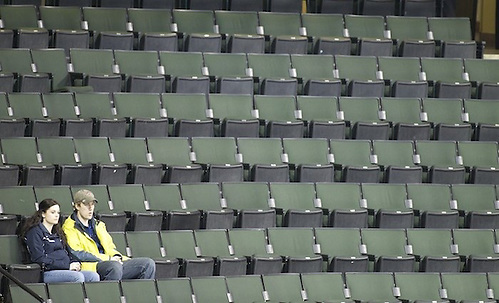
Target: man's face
85	210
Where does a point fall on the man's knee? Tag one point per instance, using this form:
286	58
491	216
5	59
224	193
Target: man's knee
150	268
110	270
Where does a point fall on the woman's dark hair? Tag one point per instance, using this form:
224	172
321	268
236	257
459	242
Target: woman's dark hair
37	218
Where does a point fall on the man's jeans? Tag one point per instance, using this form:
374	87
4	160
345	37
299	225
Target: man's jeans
135	268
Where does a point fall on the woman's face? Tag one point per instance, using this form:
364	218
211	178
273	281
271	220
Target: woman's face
52	214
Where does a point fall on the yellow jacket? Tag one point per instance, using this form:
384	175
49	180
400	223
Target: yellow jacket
85	248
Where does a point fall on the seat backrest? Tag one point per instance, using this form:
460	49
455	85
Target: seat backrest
244	195
306	150
443	69
179	244
57	150
209	289
402	109
237	22
450	29
277	24
175	290
328	238
438	153
309	67
323	25
205	196
482	154
60	105
418	286
225	106
360	109
351	152
429	196
61	17
339	195
270	65
93	150
26	105
163	197
482	111
474	197
138	105
185	106
430	242
11	250
215	150
52	61
293	195
260	151
229	65
92	61
19	16
384	242
385	196
426	8
400	68
443	110
144	244
20	295
465	286
213	243
130	150
365	26
292	241
323	286
482	70
137	62
474	241
383	8
171	151
20	151
245	288
248	242
182	64
103	292
94	105
276	108
407	28
283	287
355	67
129	197
150	20
139	290
59	292
396	153
105	19
61	194
318	108
194	21
372	286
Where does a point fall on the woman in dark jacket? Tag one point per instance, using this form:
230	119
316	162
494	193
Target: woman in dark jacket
46	245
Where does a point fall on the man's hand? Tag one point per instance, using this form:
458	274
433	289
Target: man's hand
116	258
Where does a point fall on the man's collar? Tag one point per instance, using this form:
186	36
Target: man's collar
74	216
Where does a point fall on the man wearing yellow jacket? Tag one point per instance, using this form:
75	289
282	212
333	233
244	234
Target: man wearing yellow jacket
93	246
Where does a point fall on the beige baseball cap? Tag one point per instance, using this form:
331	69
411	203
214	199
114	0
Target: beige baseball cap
84	196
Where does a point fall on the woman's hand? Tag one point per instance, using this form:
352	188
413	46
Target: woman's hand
76	266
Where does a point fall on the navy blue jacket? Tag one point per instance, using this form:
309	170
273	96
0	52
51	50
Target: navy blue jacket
47	249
